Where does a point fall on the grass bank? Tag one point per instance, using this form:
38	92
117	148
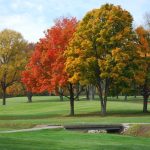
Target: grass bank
66	140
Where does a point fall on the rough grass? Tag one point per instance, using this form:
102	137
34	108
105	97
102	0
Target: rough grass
49	110
66	140
142	130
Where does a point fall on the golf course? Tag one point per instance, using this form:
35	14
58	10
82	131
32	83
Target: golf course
74	75
49	110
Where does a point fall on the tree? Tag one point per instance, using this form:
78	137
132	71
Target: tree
29	50
12	47
100	50
143	76
16	90
90	92
45	70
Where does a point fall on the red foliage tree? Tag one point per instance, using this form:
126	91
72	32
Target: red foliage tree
45	70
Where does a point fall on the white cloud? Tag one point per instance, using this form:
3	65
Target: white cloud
31	29
32	17
26	5
14	6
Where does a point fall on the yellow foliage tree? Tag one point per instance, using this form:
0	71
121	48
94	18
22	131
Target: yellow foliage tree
142	76
12	53
101	49
16	89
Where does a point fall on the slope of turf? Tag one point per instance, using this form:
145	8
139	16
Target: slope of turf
66	140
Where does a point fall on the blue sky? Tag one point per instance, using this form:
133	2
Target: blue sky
32	17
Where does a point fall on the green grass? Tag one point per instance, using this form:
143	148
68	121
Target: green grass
49	110
66	140
19	114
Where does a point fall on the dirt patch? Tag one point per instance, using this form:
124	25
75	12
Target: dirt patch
41	126
138	130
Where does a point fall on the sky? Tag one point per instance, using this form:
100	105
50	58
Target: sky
32	17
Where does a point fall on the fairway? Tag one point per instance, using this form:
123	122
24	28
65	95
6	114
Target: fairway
50	110
74	75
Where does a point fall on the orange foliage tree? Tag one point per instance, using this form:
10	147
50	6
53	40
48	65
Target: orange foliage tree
45	70
143	75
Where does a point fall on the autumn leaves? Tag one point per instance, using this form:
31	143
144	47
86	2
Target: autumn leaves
102	49
12	59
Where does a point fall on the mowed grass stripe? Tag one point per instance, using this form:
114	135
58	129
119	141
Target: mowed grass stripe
49	110
61	139
58	107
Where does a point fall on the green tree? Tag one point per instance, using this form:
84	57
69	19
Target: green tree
12	46
100	50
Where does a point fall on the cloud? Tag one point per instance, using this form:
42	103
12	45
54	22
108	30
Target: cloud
26	5
32	17
31	29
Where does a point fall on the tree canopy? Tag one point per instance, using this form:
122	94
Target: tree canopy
45	70
12	52
101	48
143	75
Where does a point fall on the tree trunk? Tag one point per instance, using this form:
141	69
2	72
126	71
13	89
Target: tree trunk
91	92
77	91
146	90
117	96
103	96
103	106
87	93
145	101
145	94
61	94
71	100
117	92
135	90
61	97
29	95
126	96
4	95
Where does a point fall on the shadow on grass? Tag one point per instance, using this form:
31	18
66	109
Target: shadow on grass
39	101
28	117
113	114
78	115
